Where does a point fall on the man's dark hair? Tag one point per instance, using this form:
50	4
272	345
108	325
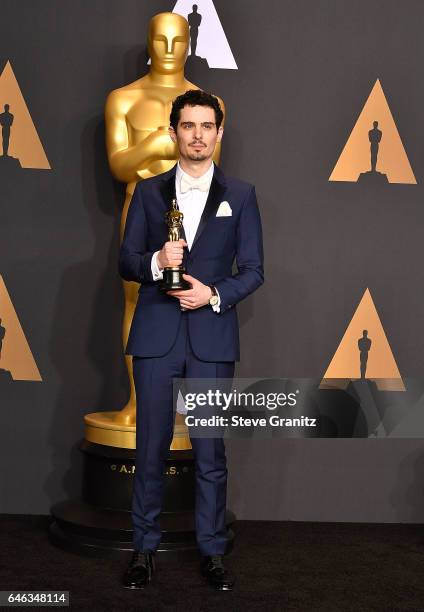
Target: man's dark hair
195	97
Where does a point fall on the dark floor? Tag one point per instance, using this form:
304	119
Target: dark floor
279	566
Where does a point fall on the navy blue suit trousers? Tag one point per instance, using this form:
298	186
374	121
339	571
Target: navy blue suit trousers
155	422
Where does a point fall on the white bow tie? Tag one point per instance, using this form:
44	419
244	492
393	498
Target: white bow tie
189	182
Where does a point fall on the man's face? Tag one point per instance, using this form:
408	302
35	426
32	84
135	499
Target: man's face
196	134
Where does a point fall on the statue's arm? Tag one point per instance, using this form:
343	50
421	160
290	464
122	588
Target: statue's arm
124	160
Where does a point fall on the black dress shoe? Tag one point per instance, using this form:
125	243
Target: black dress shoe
215	573
140	570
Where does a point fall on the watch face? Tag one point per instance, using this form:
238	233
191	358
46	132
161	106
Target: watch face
214	300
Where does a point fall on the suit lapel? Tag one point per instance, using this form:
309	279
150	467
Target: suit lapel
216	193
167	187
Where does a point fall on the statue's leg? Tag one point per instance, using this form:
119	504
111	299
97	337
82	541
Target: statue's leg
374	151
194	42
6	141
363	367
127	416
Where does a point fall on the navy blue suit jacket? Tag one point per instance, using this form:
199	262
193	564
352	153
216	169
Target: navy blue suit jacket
218	242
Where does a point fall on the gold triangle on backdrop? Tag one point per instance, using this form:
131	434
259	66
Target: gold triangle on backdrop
25	143
365	331
15	355
355	159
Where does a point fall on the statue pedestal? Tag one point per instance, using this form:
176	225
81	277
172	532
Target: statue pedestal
100	523
373	177
5	376
10	163
10	169
102	428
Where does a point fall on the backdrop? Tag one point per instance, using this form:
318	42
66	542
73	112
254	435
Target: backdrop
296	77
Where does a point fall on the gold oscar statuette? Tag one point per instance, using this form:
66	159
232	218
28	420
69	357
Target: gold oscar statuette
173	276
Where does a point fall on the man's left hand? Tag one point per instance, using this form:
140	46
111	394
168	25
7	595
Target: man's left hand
190	299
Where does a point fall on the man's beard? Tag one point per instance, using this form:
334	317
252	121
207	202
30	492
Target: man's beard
199	156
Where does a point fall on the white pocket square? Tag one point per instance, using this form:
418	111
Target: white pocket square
224	210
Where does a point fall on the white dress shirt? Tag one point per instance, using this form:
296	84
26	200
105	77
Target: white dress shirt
191	204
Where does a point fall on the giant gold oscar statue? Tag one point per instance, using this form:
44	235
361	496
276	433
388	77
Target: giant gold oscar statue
138	147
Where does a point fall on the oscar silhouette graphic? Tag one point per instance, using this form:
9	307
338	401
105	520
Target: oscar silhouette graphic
373	176
5	375
370	401
364	345
6	121
2	335
194	20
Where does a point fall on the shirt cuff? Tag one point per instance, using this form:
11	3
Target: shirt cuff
157	273
217	308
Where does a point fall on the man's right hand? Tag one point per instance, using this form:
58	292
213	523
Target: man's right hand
171	254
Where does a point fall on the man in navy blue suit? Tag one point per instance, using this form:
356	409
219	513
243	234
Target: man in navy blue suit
187	333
